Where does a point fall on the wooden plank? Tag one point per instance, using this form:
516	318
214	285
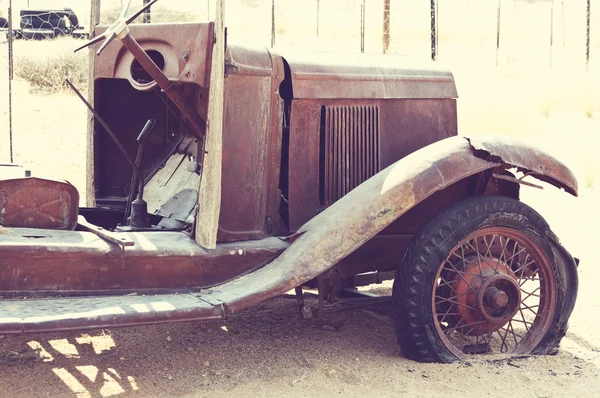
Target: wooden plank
90	196
209	197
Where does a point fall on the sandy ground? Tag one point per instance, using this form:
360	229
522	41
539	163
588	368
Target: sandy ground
269	351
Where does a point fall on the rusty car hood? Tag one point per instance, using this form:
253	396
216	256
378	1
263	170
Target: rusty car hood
340	75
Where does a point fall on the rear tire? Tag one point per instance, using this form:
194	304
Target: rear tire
484	276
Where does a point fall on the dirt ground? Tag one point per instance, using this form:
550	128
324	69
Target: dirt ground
267	351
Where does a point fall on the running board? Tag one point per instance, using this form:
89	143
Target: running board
60	314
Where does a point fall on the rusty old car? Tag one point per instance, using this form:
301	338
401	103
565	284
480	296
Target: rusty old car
220	176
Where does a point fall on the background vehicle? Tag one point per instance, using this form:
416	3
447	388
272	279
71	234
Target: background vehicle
40	24
332	170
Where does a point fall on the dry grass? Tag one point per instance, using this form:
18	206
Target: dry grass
159	15
46	64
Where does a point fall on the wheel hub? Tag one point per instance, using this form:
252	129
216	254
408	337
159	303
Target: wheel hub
488	295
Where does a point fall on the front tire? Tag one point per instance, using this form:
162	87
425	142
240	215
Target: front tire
481	278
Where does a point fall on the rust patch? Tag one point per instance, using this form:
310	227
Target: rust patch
527	158
38	203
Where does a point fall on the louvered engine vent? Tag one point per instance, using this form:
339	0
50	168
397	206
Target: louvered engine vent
349	149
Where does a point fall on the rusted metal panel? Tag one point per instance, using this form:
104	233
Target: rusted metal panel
38	203
350	136
324	153
367	76
354	219
540	164
409	125
42	315
73	262
381	253
158	78
304	158
186	50
385	250
251	142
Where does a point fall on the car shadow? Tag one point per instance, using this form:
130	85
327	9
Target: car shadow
268	346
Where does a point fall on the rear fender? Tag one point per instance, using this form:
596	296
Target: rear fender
357	217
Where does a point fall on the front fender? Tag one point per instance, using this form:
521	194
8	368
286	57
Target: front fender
538	163
365	211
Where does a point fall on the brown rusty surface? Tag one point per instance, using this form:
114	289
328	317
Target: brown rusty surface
357	217
164	83
173	42
303	184
523	155
361	76
251	144
41	315
81	262
38	203
381	253
405	125
343	227
385	250
351	149
411	124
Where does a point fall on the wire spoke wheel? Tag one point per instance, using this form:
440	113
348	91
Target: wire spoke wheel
485	276
495	293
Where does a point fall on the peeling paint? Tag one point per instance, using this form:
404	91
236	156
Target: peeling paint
526	157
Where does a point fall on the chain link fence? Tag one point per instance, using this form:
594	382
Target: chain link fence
504	36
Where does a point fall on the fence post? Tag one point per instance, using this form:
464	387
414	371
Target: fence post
386	26
147	13
498	13
318	7
587	36
433	32
563	21
272	23
363	14
90	197
10	77
551	31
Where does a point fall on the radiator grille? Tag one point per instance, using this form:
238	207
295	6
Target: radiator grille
349	149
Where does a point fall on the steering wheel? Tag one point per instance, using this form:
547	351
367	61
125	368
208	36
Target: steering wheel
118	30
